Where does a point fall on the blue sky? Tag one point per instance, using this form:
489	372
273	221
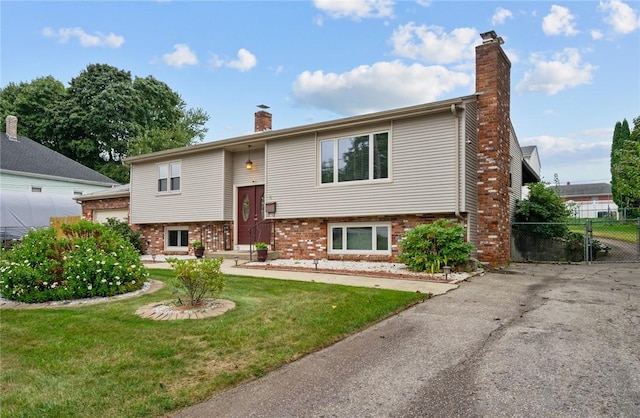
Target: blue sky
575	64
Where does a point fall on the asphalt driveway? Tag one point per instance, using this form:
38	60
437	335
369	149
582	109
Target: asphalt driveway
533	340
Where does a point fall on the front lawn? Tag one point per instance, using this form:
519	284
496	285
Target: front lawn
104	360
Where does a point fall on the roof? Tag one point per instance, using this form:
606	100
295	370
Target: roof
25	156
118	191
590	189
528	150
352	121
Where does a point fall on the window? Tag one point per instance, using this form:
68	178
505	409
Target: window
169	177
177	238
36	189
77	192
359	238
355	158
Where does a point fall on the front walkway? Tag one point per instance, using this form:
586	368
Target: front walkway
422	286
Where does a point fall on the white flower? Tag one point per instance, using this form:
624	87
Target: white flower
133	282
89	287
103	281
118	282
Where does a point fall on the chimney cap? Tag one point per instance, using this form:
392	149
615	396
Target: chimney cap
262	106
491	37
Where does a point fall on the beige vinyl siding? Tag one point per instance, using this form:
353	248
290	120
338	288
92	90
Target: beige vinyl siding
228	185
515	191
470	158
201	196
421	174
244	177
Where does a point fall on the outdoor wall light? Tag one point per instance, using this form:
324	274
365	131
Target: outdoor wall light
446	270
315	261
249	163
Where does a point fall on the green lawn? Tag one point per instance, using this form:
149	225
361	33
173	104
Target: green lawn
621	231
104	360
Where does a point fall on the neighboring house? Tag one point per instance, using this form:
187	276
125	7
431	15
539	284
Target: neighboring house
592	200
37	183
348	188
532	158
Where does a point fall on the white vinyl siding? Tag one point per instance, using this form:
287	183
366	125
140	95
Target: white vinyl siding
421	173
23	183
201	196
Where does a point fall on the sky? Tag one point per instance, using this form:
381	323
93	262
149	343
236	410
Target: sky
575	64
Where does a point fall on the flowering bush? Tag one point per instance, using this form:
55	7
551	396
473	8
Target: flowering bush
197	279
88	260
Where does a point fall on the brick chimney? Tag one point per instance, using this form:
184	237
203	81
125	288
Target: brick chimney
12	127
262	119
493	86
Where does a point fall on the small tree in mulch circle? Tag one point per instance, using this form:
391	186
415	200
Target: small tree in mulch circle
196	280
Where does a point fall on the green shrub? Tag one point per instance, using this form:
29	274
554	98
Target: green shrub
88	260
197	279
429	247
124	230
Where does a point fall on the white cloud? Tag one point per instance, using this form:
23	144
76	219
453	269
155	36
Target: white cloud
356	9
424	3
596	34
621	17
99	39
431	44
246	61
564	71
559	22
500	16
182	55
383	85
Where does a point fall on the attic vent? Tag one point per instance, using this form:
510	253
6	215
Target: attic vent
12	127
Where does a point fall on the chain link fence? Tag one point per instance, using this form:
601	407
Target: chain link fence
598	240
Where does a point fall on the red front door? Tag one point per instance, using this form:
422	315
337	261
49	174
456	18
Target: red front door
250	211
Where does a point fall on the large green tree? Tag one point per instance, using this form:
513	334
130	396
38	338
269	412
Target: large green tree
103	116
625	165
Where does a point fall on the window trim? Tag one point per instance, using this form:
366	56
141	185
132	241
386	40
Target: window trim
167	247
336	156
168	179
345	225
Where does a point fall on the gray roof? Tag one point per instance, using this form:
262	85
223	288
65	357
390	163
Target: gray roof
527	150
591	189
29	157
117	191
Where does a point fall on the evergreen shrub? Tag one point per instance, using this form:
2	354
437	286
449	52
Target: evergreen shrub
429	247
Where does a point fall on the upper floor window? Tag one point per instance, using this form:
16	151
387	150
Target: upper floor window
36	189
169	177
355	158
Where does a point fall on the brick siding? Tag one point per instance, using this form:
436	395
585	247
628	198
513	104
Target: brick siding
88	206
308	238
213	236
494	125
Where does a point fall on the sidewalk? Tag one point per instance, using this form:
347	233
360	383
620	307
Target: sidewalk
229	267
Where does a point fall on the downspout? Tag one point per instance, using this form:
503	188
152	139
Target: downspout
454	111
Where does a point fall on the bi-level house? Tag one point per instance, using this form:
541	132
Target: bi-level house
348	188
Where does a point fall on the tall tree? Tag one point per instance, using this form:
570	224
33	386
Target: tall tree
625	165
103	116
35	104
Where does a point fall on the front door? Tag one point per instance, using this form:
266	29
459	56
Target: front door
250	211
